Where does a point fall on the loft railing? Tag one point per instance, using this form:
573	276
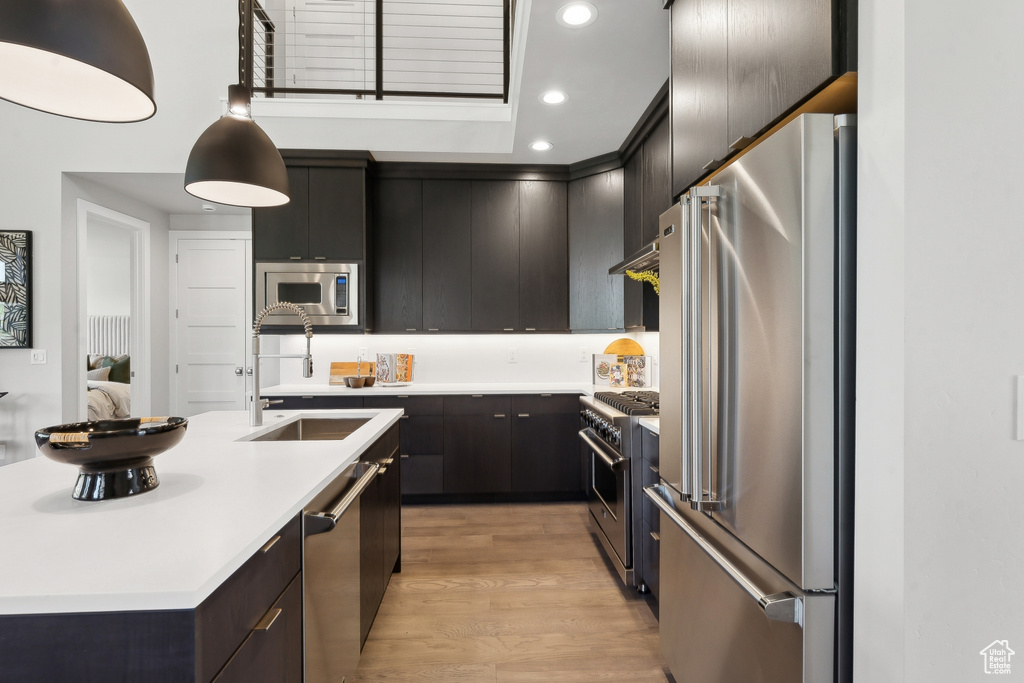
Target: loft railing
377	48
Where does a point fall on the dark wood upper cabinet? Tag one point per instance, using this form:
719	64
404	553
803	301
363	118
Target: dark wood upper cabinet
282	232
632	202
657	181
337	214
495	255
779	51
447	254
700	89
595	245
398	275
543	256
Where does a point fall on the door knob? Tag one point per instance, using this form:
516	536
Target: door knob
238	370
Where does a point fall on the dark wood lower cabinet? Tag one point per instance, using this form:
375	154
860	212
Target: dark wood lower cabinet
477	445
545	444
273	650
380	528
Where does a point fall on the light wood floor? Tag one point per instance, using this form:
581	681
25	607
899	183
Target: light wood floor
508	592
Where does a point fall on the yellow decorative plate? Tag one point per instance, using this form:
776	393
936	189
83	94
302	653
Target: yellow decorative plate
625	347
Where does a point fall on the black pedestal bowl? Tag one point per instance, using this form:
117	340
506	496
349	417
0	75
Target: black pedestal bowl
114	457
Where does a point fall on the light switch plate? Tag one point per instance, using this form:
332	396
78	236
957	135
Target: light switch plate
38	356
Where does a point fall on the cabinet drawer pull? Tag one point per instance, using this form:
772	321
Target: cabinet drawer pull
307	397
270	544
524	415
319	258
406	396
740	143
405	417
655	536
405	455
431	329
545	395
500	416
268	619
410	329
295	258
477	395
655	469
509	329
382	471
531	329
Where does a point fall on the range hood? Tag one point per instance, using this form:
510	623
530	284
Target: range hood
644	259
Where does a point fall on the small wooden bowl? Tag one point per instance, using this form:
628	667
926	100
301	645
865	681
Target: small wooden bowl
355	382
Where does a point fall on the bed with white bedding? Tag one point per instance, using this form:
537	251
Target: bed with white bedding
109	400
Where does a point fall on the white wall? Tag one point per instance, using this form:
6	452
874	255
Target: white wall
108	280
940	553
445	358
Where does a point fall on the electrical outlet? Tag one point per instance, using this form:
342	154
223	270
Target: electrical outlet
513	355
364	352
584	356
38	357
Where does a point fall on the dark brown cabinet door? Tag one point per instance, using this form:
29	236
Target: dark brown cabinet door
398	256
632	239
447	254
391	510
595	245
543	256
657	180
371	553
282	232
337	213
495	255
545	444
700	88
779	51
477	445
273	651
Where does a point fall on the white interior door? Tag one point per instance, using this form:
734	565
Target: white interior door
212	324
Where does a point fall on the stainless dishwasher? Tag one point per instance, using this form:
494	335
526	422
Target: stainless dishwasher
330	576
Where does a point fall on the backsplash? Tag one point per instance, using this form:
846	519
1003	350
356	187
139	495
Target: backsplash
448	358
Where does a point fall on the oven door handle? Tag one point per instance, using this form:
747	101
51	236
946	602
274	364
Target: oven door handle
613	461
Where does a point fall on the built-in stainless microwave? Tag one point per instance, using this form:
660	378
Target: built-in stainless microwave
328	291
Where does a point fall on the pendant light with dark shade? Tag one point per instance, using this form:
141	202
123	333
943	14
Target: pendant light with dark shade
234	162
84	59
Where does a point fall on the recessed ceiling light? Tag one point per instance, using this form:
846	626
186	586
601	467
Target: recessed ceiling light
576	14
553	97
541	146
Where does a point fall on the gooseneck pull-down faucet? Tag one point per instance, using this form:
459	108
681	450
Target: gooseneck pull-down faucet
258	403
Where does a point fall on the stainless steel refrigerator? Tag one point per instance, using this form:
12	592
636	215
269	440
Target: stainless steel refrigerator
756	447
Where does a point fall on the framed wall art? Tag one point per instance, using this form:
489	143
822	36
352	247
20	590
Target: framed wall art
15	290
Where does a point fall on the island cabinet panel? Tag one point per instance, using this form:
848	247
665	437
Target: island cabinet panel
282	232
380	528
273	650
700	89
477	445
495	255
543	257
447	254
595	245
337	214
545	444
398	256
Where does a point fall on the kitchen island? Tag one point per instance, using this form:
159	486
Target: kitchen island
158	557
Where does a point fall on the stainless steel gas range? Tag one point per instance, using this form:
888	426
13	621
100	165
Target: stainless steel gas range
610	441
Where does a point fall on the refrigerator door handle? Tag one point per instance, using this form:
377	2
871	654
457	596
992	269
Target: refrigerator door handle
700	383
786	606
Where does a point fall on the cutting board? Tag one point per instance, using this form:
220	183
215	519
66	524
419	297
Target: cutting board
339	371
625	347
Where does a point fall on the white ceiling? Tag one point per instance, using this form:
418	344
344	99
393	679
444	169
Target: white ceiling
611	70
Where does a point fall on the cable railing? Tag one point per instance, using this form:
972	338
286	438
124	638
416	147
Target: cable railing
363	49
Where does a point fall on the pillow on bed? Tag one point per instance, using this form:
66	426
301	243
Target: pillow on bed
120	368
99	374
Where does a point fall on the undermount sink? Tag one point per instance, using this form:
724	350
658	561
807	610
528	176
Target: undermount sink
315	429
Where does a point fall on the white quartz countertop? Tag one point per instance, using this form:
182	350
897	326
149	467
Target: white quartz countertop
220	499
652	423
413	388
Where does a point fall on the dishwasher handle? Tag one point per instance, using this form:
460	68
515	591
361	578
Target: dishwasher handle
321	522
